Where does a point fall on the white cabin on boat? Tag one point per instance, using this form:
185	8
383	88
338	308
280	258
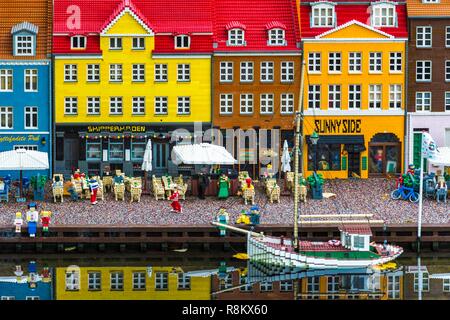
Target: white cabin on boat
356	237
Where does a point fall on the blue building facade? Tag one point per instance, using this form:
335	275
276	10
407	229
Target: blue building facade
13	290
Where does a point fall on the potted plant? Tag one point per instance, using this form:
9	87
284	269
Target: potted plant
315	182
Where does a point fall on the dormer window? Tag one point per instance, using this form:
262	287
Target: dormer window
24	39
78	42
182	42
277	37
236	37
322	15
384	15
431	1
24	46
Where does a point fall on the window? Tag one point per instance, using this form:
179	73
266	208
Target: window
286	286
393	286
266	103
375	96
160	105
161	281
116	150
375	62
24	45
93	72
184	282
425	281
6	117
322	16
138	280
138	71
424	36
266	71
243	280
287	103
182	42
226	71
160	72
26	147
287	71
447	101
313	287
115	72
423	101
447	70
138	149
246	71
93	105
395	96
72	280
70	105
446	285
354	96
334	96
423	71
184	105
314	96
328	157
395	62
78	42
138	105
358	242
333	287
138	43
226	104
31	80
447	36
276	37
94	281
236	37
116	280
184	72
314	60
115	43
115	105
32	298
31	117
354	62
6	80
265	287
334	62
383	15
246	103
8	298
70	73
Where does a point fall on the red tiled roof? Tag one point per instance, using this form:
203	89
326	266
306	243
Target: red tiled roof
357	229
276	24
418	9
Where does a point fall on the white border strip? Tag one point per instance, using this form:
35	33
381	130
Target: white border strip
329	112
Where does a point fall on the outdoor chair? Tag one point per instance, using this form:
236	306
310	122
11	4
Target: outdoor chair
290	180
107	183
119	191
158	189
249	195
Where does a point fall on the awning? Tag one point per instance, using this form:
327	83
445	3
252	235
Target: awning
442	158
22	159
203	153
341	139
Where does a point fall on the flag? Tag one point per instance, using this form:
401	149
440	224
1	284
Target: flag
429	147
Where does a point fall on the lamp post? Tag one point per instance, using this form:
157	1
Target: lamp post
314	139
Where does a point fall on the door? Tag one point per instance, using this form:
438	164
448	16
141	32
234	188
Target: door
354	162
71	153
417	149
160	157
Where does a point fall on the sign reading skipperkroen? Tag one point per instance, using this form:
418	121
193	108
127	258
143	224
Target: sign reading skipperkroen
115	128
342	126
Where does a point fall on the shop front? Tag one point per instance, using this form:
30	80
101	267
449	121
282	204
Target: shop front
354	146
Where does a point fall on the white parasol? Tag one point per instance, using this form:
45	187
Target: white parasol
285	158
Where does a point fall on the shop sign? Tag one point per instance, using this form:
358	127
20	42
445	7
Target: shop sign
21	138
337	126
115	128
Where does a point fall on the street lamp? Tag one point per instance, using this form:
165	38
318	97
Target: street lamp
314	139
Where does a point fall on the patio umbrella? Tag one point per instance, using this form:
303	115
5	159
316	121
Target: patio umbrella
285	158
147	162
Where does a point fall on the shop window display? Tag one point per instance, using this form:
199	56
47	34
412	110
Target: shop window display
93	150
384	154
328	157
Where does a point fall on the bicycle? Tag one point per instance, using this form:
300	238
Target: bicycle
405	193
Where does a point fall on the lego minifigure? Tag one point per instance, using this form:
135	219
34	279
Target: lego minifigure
18	222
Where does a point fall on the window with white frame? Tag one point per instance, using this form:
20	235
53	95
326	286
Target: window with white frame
115	105
115	73
248	287
446	285
425	281
115	43
375	96
6	80
286	285
138	72
6	117
182	42
70	105
313	287
267	71
431	1
423	70
395	62
116	280
447	70
31	117
8	298
236	37
334	96
184	105
322	15
160	105
334	62
138	43
354	96
226	103
70	72
354	62
265	286
423	101
383	15
314	96
184	281
139	280
287	71
314	62
395	96
375	62
332	287
138	105
30	298
447	101
78	42
266	103
31	80
246	103
94	281
247	71
93	105
226	71
447	36
287	103
161	280
24	45
393	286
183	72
276	37
160	72
424	36
93	72
72	280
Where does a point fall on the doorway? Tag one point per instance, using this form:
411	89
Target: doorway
160	157
71	153
384	154
354	162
